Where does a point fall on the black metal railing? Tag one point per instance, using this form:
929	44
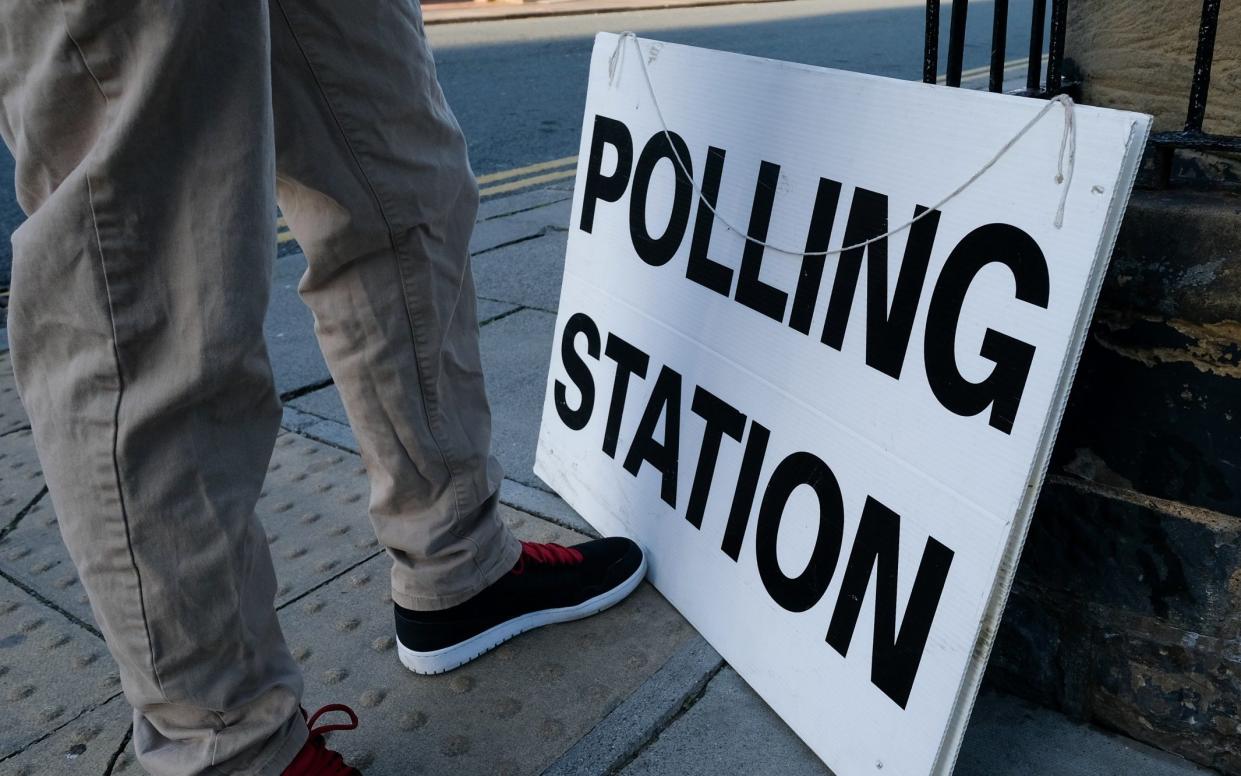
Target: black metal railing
999	39
1163	145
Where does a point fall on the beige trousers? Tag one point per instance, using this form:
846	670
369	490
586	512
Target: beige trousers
153	139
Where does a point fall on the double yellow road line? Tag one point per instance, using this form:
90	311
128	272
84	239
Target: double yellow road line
523	177
283	235
975	73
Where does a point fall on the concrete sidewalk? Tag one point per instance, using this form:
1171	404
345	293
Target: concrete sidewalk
633	691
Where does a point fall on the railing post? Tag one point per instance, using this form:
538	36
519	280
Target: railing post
1038	19
1055	49
956	42
930	50
999	40
1202	66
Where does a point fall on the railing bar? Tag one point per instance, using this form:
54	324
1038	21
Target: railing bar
1197	141
956	42
999	40
1202	66
1055	49
1038	20
930	51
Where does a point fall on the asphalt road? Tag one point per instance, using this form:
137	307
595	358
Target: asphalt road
518	86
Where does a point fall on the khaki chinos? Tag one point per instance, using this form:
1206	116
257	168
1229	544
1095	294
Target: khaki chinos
153	139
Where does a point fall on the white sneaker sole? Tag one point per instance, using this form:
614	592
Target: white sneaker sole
448	658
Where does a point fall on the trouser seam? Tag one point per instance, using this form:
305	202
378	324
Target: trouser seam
429	397
120	375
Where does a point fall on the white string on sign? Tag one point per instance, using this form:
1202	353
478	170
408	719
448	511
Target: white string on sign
1064	163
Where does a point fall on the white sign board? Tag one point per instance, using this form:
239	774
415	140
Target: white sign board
832	460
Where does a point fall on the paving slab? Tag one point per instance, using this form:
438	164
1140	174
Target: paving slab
639	719
516	352
21	478
33	554
493	233
12	415
314	510
731	730
95	744
331	433
324	404
531	199
1008	736
526	273
490	309
313	507
39	649
489	235
514	711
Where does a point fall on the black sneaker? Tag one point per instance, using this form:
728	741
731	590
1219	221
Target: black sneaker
549	584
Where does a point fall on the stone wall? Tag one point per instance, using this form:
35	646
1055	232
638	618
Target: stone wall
1126	610
1140	56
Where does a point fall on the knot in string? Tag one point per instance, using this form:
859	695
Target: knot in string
1064	163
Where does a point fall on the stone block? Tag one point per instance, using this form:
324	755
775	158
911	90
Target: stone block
1126	611
1140	56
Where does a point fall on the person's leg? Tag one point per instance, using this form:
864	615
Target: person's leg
143	138
374	182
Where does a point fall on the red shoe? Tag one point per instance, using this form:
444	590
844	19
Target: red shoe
315	759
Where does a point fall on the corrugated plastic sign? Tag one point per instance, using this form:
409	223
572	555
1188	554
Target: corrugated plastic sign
831	458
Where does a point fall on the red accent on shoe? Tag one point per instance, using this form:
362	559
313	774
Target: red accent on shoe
315	759
548	554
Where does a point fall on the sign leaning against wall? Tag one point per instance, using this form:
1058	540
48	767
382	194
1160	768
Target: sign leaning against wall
831	456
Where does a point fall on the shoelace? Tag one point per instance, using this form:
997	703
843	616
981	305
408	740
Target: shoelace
548	554
315	759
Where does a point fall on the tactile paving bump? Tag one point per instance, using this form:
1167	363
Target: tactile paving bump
313	507
511	712
11	413
95	744
40	652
